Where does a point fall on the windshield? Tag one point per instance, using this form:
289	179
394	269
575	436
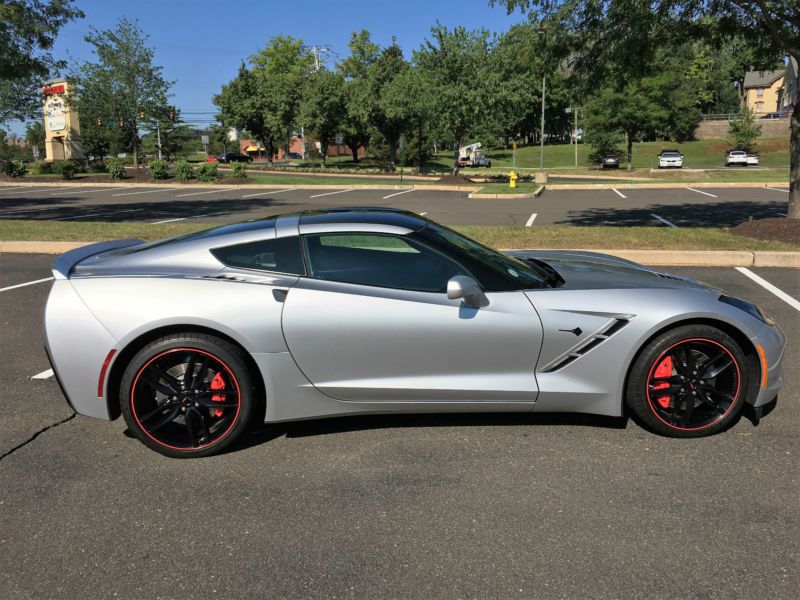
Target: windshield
496	271
670	154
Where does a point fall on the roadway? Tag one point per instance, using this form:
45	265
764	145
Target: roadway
684	207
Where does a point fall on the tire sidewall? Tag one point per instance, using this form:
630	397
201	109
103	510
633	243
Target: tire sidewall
636	397
227	353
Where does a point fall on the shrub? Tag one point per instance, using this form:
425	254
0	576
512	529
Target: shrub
207	172
744	131
158	169
239	170
604	143
97	166
183	170
116	168
42	167
67	169
15	168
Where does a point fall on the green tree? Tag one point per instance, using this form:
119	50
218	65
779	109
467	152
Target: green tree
744	131
265	99
242	107
34	134
379	99
355	68
635	110
323	108
454	64
124	85
28	29
625	28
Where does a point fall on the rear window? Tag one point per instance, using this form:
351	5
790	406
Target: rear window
280	255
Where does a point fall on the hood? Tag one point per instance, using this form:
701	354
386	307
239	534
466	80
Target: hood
593	270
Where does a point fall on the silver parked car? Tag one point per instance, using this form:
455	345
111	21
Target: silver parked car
355	311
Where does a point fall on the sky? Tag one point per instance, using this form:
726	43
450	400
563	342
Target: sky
200	43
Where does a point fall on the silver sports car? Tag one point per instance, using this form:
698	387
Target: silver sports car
355	311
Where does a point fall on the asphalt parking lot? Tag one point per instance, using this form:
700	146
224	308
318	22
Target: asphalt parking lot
682	207
394	507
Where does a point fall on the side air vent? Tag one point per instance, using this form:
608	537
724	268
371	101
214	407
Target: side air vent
588	344
665	276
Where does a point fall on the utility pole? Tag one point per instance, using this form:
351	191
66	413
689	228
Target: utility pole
541	133
158	134
576	137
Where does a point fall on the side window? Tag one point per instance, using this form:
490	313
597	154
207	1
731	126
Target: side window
281	255
379	260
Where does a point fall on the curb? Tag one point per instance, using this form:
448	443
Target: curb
664	186
256	186
531	196
675	258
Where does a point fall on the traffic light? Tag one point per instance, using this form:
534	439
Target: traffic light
171	113
99	122
121	121
141	114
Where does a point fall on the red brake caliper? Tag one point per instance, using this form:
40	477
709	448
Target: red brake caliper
217	384
662	370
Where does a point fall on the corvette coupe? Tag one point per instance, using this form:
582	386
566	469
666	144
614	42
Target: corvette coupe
374	310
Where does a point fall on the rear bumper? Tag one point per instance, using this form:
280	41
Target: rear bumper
76	345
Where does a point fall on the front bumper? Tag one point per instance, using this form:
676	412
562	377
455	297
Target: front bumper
773	343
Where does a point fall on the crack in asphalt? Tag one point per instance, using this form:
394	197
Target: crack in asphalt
37	434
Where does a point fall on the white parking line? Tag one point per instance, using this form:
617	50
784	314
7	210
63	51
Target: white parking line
794	303
664	221
44	374
778	190
30	190
620	194
192	217
208	192
271	192
531	219
84	191
331	193
98	214
702	192
8	188
397	194
144	192
27	283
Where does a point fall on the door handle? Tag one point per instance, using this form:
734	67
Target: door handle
279	295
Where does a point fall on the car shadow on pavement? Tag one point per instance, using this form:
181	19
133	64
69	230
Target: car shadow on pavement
707	214
296	429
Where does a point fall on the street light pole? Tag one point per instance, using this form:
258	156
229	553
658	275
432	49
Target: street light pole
576	137
541	132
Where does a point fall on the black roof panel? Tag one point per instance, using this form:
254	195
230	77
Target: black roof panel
362	214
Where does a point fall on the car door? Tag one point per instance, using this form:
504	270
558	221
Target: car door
372	323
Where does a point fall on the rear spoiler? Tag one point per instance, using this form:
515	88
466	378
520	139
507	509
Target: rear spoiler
63	265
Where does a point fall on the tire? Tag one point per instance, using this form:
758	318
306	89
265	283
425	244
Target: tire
693	403
187	418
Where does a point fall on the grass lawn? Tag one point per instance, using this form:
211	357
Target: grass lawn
701	154
656	238
502	188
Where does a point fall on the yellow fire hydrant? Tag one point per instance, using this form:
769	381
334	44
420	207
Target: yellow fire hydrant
512	179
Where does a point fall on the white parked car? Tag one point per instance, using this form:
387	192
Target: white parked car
670	158
752	160
737	157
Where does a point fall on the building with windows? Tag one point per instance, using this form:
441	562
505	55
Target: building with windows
763	91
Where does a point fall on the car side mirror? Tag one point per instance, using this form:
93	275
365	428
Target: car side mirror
466	288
